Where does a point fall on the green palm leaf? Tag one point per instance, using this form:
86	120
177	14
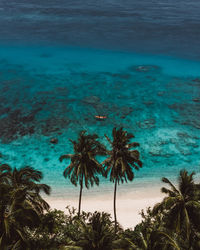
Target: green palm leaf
181	206
84	167
121	160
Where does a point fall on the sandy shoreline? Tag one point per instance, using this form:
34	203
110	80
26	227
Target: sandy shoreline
130	202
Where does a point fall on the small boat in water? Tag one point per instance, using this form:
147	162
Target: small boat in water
100	117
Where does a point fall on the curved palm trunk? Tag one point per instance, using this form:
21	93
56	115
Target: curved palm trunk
115	216
80	196
187	223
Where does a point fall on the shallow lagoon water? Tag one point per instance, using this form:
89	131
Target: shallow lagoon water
55	91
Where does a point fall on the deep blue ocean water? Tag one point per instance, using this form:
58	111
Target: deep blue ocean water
63	62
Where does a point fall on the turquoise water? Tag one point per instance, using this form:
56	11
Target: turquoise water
63	62
54	92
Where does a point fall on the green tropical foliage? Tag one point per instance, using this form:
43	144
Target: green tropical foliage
50	233
84	168
150	234
67	231
21	204
181	207
97	233
121	160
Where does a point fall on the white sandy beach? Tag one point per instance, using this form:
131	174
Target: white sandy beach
130	202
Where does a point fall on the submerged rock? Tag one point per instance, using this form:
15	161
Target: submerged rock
183	135
196	80
17	123
91	99
148	103
160	93
54	140
4	110
196	100
188	114
147	124
125	111
155	152
54	124
122	76
184	151
144	68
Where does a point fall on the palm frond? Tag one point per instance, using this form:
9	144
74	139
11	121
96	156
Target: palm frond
165	180
170	240
5	167
133	145
66	156
167	191
108	139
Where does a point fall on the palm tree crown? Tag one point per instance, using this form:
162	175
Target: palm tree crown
121	159
84	168
26	180
97	233
181	206
21	204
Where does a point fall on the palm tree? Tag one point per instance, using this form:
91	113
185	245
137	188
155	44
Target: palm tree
150	234
121	161
17	217
27	179
4	200
181	206
97	233
5	171
153	240
84	168
20	204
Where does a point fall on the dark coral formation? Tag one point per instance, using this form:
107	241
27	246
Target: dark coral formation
15	124
188	114
147	124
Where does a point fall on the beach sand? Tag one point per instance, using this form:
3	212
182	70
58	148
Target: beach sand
130	202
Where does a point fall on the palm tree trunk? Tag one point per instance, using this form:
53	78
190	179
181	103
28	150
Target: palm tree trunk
80	196
187	223
115	216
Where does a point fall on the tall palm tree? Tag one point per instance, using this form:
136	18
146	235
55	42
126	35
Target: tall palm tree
181	206
121	161
84	168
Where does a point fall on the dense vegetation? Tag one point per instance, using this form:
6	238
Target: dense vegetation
27	222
